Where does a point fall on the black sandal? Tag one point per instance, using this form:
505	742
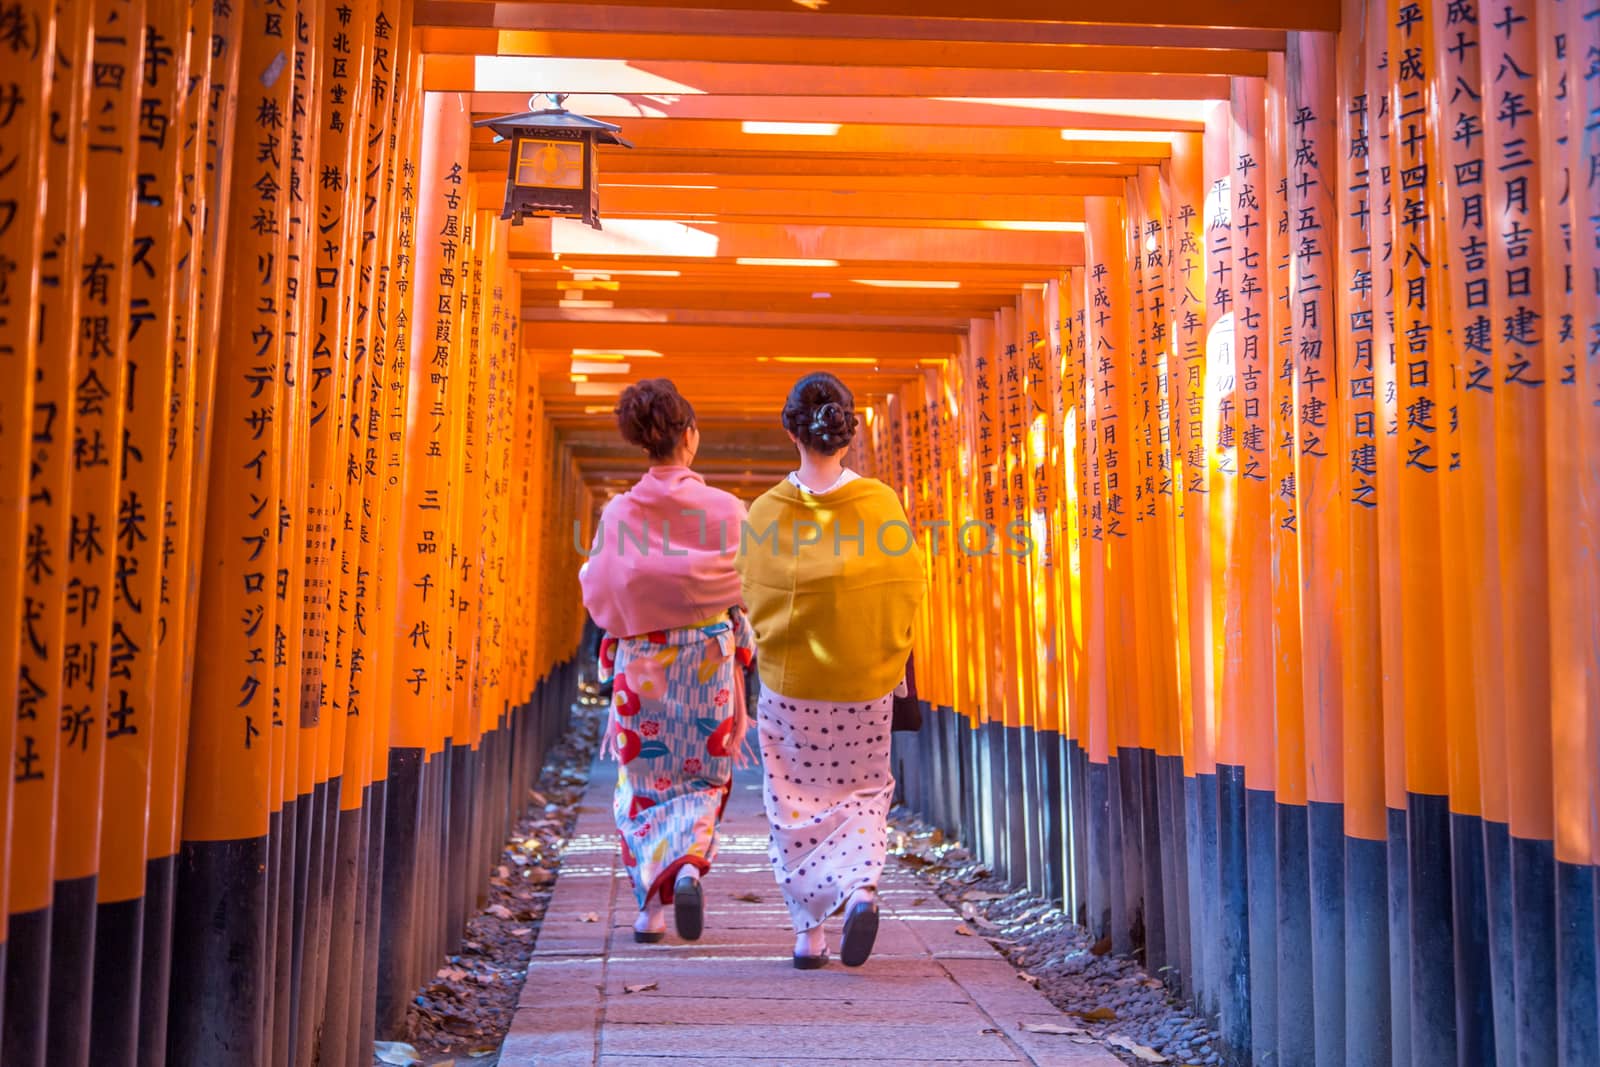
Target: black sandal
860	931
810	963
648	937
688	908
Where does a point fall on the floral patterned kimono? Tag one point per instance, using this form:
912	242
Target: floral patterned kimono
675	697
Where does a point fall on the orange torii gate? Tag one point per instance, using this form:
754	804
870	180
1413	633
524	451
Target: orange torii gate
1261	432
212	245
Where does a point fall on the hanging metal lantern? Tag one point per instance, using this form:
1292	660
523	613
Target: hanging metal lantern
553	170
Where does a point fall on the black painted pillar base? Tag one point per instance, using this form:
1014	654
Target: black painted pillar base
219	954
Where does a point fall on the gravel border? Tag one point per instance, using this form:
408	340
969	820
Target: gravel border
1112	997
463	1013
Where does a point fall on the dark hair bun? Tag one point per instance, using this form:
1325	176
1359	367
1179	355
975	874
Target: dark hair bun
654	415
820	412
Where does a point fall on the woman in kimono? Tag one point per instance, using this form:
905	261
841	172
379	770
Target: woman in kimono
833	604
661	582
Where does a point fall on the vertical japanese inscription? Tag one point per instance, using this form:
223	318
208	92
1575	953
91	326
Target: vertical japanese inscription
140	534
440	228
228	793
29	46
1311	423
94	650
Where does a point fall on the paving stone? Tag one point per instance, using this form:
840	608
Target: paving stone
864	1042
777	1059
753	1011
573	982
775	977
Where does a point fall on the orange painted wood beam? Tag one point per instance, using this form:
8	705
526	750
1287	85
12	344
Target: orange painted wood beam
711	375
1055	144
794	22
491	161
627	238
924	222
653	270
524	74
767	299
1260	14
1073	184
843	51
735	340
803	203
1082	113
950	320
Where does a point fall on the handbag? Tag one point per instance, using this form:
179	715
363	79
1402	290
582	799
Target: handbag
907	708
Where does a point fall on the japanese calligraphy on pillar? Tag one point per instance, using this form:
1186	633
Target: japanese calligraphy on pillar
1312	423
1522	336
369	440
139	534
1411	235
1185	200
1248	549
440	226
1141	390
1423	386
208	49
45	571
985	409
30	48
296	737
228	793
1286	755
1220	427
99	400
395	314
344	55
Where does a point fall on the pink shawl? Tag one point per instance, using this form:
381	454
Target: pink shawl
663	555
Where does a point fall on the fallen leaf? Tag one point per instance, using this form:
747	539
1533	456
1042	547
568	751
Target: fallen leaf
919	901
1148	1055
748	898
645	988
1084	1041
1052	1028
1032	980
1102	946
963	931
396	1052
979	894
452	974
499	911
522	931
537	797
1097	1015
502	871
592	917
991	1030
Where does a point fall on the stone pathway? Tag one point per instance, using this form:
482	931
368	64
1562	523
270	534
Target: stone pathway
927	995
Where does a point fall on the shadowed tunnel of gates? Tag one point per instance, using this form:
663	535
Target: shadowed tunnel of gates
1296	695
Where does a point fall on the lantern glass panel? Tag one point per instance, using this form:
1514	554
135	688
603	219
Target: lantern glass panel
547	164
